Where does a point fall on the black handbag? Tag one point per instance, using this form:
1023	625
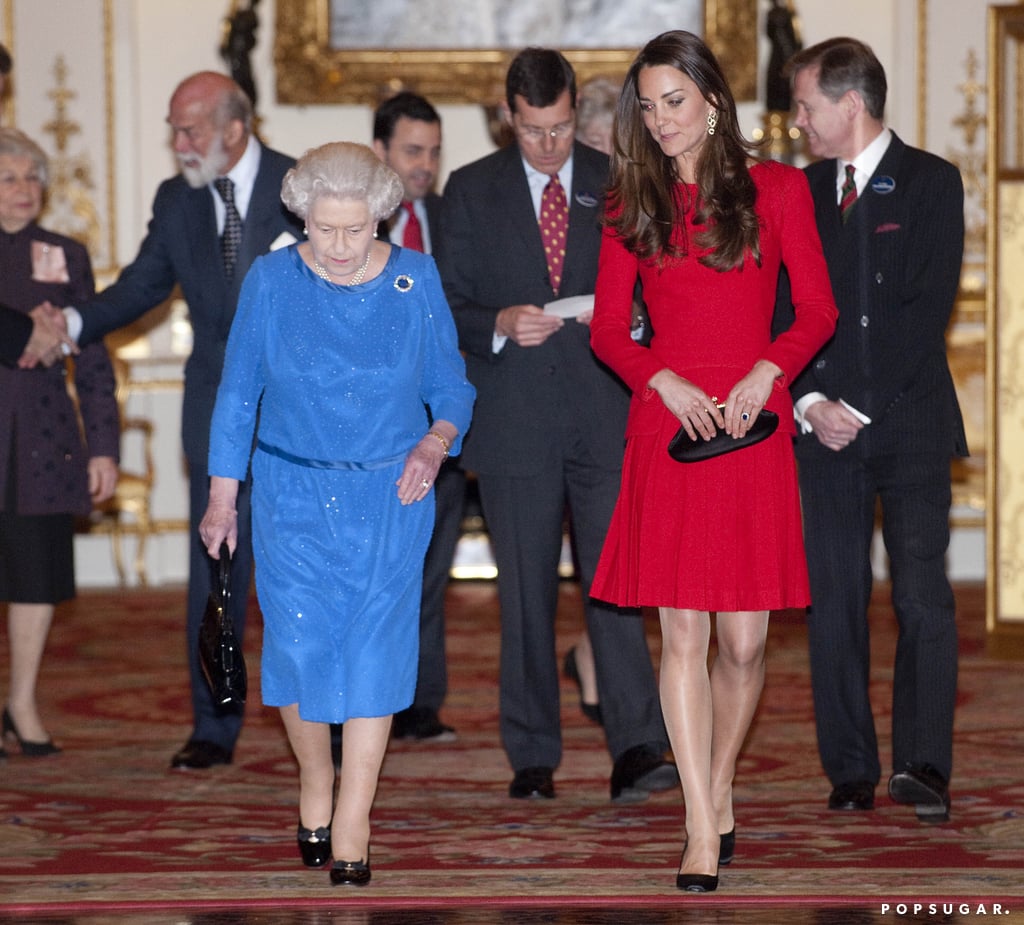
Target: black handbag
683	448
219	652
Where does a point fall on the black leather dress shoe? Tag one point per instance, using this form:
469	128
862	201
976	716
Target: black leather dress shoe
925	789
198	754
638	772
852	796
532	784
421	724
350	873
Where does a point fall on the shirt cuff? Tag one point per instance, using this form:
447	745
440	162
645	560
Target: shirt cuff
498	342
802	404
74	322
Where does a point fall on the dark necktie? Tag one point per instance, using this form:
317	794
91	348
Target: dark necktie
554	225
231	237
412	237
848	194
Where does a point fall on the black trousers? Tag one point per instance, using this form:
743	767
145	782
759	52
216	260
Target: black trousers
839	492
211	722
524	520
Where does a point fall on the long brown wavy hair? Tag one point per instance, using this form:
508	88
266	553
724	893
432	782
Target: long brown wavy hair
644	207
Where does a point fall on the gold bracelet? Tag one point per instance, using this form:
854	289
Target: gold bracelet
444	443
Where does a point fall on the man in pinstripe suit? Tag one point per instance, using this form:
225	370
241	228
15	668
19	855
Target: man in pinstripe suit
880	422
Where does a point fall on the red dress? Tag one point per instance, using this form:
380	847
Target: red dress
724	534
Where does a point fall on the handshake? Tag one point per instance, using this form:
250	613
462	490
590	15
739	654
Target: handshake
49	340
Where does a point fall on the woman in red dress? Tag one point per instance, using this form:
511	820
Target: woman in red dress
706	227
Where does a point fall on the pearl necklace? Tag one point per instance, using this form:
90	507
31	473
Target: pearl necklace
356	279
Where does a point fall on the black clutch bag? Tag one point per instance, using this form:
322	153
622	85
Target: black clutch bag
683	448
219	651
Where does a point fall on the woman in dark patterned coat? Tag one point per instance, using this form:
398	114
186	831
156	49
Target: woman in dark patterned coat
48	472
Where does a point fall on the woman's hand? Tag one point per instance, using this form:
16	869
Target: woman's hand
424	461
696	411
220	522
102	478
749	396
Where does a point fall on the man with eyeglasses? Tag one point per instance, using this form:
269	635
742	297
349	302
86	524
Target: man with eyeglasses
520	229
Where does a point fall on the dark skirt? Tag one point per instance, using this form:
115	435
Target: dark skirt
37	554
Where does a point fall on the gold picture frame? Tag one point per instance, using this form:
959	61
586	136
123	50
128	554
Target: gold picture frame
310	71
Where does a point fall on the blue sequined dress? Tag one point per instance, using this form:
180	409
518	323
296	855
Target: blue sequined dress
342	377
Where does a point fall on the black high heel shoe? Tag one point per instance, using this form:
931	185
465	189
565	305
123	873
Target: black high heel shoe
727	849
570	670
29	749
351	873
697	883
314	845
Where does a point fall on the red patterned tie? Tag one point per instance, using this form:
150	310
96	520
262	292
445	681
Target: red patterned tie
412	237
554	224
848	194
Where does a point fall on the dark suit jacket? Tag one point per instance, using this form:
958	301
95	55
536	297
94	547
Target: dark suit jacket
181	247
432	203
895	270
15	331
490	256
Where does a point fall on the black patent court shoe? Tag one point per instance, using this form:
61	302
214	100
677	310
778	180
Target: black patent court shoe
29	749
314	845
697	883
727	849
350	873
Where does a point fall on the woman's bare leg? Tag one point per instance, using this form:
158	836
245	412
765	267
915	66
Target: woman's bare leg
366	741
737	679
686	704
311	743
28	626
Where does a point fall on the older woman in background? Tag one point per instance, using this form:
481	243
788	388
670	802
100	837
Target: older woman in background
47	473
595	112
347	346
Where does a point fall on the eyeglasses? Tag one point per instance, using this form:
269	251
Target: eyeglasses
535	134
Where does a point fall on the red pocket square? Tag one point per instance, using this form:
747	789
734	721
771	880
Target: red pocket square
887	226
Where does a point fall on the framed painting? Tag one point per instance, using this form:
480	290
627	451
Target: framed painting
457	51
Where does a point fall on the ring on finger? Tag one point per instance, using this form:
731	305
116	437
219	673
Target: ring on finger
745	416
425	483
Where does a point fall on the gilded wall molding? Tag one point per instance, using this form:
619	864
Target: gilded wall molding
309	71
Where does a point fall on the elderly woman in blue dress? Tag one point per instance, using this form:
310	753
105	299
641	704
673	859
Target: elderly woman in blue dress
347	347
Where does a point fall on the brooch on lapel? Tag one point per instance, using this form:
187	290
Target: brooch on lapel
403	283
588	200
883	185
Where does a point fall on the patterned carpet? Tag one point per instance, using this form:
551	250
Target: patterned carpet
107	831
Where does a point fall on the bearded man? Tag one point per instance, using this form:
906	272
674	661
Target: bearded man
209	223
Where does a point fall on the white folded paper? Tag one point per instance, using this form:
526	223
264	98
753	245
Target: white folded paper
570	307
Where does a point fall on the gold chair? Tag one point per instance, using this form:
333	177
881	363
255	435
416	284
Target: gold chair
134	488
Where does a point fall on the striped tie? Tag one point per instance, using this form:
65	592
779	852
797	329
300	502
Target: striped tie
848	194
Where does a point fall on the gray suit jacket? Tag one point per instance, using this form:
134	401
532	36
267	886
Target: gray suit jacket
490	255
